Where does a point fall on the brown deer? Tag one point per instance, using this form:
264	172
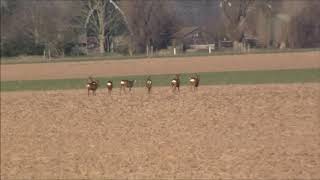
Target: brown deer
149	84
126	84
92	85
109	87
194	82
175	83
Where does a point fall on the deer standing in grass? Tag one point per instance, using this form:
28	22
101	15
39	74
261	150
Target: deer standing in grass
149	84
109	87
175	83
126	84
194	82
92	85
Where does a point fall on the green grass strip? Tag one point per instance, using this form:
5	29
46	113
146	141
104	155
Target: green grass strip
208	78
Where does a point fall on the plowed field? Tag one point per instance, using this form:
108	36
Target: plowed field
234	131
223	131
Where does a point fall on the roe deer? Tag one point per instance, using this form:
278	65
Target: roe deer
126	84
149	84
109	86
92	85
175	83
194	82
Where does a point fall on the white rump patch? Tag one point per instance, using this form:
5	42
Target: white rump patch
149	82
122	82
88	85
192	80
109	84
174	81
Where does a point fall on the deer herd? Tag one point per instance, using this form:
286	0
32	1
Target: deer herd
93	84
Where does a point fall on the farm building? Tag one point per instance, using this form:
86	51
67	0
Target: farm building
192	38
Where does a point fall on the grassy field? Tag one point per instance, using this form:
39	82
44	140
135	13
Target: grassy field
39	59
209	78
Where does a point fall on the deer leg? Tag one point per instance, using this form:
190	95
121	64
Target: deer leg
123	89
174	88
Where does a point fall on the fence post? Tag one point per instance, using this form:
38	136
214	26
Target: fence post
151	50
49	54
44	54
147	48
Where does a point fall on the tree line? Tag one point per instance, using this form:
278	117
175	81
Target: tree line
53	28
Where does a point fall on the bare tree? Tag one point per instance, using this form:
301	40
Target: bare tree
150	22
104	19
43	22
236	12
234	15
304	29
96	10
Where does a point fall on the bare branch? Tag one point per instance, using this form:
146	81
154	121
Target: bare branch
123	15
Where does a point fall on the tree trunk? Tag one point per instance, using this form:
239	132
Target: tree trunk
130	48
36	35
49	53
101	43
236	46
44	54
101	15
108	44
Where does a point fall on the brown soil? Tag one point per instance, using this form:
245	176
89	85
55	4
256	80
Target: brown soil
238	132
160	66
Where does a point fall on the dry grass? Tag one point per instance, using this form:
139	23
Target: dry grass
235	131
